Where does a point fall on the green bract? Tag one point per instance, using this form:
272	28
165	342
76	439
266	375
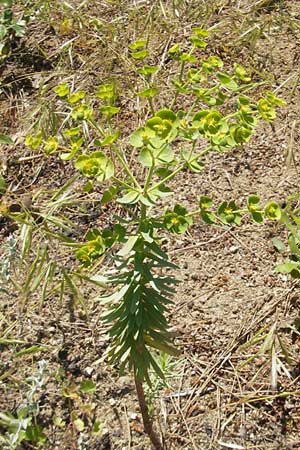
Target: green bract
71	132
62	90
82	112
137	45
210	122
240	133
193	161
74	148
227	212
141	137
241	73
94	248
205	204
227	81
273	211
156	156
105	91
109	195
76	97
159	129
148	70
255	209
200	32
109	111
149	93
50	145
198	42
266	110
177	221
109	139
175	51
95	164
273	100
34	141
292	268
195	76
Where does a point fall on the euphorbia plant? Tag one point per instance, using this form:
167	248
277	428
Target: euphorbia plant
218	115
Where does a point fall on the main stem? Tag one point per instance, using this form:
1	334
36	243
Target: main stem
148	427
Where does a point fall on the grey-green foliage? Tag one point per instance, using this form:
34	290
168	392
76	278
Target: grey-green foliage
9	256
23	425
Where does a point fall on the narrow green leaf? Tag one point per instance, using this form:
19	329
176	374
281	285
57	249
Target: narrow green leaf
3	186
32	350
116	296
128	245
4	139
278	244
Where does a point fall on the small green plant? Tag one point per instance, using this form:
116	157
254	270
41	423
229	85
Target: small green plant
8	258
24	425
169	367
273	350
291	220
218	115
11	28
82	409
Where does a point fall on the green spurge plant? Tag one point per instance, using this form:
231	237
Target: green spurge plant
218	115
11	28
290	218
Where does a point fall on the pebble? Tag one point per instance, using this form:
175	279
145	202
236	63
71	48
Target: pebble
88	371
133	416
233	249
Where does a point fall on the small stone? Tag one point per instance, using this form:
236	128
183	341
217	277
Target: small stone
125	381
117	432
133	416
88	371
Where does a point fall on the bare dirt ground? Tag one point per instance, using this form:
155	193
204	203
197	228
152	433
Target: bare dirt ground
229	291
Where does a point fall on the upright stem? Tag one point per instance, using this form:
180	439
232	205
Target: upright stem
155	440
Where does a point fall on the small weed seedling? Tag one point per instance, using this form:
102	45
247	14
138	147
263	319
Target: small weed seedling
218	115
11	28
23	426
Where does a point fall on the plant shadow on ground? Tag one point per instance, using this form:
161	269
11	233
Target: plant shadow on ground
229	295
